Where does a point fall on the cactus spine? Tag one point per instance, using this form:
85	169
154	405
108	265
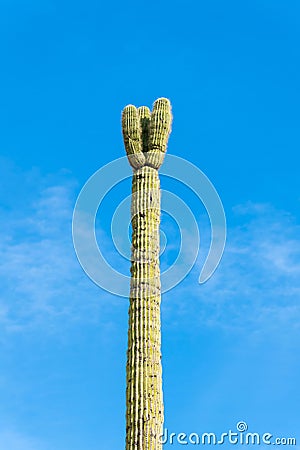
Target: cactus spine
145	136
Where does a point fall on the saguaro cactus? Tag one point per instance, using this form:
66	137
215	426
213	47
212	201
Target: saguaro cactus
145	136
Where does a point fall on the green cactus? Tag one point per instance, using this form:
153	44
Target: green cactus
145	137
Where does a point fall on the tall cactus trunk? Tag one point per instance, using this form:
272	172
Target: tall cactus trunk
145	137
144	382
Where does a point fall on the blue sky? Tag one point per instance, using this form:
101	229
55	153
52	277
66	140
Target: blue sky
230	346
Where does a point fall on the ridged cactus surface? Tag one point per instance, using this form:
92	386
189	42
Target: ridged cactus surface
145	136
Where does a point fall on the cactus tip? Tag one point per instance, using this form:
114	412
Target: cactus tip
162	100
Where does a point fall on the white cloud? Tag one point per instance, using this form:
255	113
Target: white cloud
13	440
257	285
42	281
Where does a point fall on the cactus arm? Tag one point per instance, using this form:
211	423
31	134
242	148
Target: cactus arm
132	136
160	128
144	116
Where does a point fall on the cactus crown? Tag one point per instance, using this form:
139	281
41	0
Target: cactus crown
146	133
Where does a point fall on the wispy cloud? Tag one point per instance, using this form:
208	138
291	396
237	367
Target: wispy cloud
13	440
41	279
257	284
